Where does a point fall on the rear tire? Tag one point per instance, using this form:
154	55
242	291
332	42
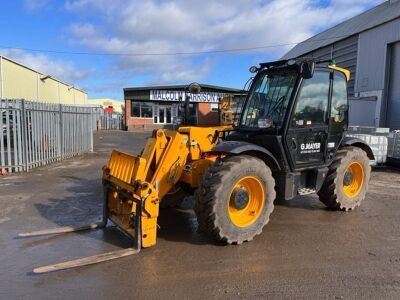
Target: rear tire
235	199
347	181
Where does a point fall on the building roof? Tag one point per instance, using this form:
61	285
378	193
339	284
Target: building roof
183	87
374	17
43	74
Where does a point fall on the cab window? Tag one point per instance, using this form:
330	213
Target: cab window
312	102
339	99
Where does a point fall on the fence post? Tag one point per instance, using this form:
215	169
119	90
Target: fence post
24	125
91	132
61	134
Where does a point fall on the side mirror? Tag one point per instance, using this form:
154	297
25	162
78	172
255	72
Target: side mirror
307	69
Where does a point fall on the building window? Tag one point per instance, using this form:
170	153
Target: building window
141	110
146	110
135	109
214	107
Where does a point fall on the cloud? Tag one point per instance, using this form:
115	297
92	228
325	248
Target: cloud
63	70
34	5
186	72
159	26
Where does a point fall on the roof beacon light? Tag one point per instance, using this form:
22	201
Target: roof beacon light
332	62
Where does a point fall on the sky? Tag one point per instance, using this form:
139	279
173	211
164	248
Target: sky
103	46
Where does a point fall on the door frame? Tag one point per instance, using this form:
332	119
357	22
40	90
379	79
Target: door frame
388	82
164	108
289	130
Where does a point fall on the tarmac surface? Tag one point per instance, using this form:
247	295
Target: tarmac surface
305	252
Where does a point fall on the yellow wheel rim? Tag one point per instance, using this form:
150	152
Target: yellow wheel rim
246	201
353	179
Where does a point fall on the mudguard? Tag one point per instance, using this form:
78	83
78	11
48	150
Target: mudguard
356	142
240	147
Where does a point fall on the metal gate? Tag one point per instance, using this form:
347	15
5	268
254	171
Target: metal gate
111	121
393	104
34	134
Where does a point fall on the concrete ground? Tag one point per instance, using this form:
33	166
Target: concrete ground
305	251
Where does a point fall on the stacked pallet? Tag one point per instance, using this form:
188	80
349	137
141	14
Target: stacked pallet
394	145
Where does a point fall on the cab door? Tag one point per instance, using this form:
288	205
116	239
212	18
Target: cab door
308	125
339	114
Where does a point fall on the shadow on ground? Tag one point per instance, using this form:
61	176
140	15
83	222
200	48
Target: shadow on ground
84	206
303	202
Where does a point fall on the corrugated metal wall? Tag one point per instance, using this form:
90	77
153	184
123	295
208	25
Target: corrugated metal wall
66	94
20	82
367	107
345	54
80	97
48	90
372	67
393	111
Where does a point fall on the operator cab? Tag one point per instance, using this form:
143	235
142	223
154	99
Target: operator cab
273	88
302	103
297	111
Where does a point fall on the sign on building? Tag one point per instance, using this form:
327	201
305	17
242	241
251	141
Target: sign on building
165	95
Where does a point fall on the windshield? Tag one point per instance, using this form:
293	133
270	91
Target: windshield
269	96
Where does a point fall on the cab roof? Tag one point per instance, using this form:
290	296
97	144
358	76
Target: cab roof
295	62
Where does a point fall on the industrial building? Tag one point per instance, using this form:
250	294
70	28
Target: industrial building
109	105
148	108
18	81
369	46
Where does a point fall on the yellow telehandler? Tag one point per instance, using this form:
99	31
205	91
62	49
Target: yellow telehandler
290	140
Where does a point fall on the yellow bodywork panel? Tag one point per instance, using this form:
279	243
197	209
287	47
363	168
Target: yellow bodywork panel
121	166
342	70
203	139
136	184
171	162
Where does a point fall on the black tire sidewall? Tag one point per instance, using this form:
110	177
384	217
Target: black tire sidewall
356	155
249	166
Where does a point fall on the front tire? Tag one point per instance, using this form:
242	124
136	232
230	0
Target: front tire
347	181
235	199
